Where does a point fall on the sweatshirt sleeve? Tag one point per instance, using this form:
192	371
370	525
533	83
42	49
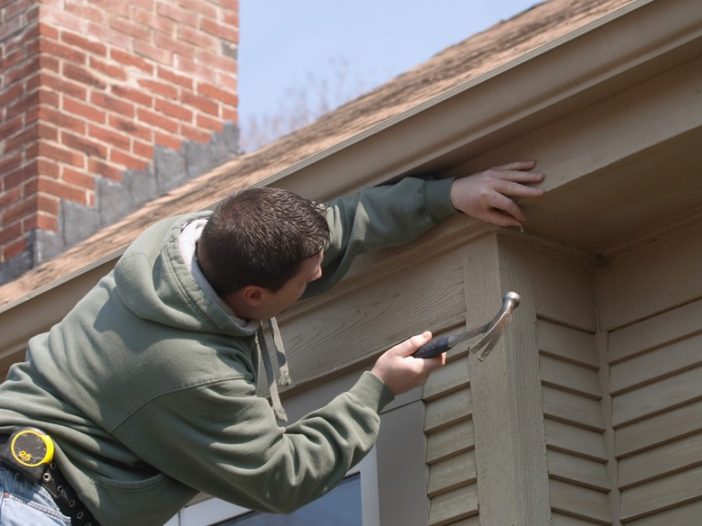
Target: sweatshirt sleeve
223	439
380	217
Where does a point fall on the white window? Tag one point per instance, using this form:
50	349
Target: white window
353	502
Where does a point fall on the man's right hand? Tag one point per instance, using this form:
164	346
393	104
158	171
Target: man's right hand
400	371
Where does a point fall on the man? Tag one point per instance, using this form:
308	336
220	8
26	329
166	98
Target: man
146	389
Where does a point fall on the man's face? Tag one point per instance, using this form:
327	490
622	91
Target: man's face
310	270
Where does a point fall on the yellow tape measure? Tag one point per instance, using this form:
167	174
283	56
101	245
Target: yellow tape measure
31	448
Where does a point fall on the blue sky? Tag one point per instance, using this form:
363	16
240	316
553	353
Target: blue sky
284	43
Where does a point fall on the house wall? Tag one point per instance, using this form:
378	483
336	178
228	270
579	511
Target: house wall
619	366
651	303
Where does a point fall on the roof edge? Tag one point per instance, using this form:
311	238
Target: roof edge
401	144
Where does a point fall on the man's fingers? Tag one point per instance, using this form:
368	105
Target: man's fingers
517	165
500	218
509	212
410	346
514	188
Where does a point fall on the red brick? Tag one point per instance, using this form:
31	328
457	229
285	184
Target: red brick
227	81
10	232
77	178
168	141
83	76
136	96
91	46
215	61
200	70
177	111
125	27
111	137
100	167
87	12
127	160
159	121
18	211
157	23
230	115
231	19
112	104
85	111
129	59
32	48
210	91
180	49
16	7
12	58
163	56
198	6
112	71
62	120
47	31
224	32
14	249
10	163
208	123
32	81
195	134
48	97
46	168
47	132
55	49
60	85
21	72
10	127
159	88
42	222
22	140
11	27
11	94
86	145
174	78
111	7
197	38
175	13
62	155
62	190
143	149
48	204
8	197
130	127
203	104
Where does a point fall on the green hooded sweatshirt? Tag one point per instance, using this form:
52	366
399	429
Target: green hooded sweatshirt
148	385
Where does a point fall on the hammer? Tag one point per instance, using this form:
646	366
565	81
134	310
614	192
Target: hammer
491	333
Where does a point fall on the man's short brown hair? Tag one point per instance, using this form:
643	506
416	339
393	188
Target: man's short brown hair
260	236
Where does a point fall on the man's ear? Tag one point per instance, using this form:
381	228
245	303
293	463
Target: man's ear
253	295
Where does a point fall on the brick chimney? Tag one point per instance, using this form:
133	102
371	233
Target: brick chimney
105	104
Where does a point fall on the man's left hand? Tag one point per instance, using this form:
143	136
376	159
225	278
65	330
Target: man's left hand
493	195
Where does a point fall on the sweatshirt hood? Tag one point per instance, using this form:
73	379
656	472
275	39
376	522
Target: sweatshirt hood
155	281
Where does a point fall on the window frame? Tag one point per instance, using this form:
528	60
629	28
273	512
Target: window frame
392	490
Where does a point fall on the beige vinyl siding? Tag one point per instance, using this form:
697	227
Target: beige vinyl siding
655	358
657	388
569	368
452	474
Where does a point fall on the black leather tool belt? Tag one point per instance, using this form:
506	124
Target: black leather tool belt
29	452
